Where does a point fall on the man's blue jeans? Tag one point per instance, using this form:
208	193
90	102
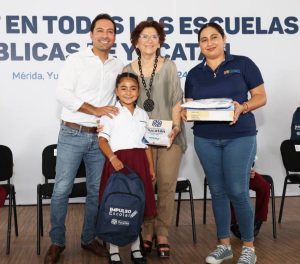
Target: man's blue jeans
227	164
73	146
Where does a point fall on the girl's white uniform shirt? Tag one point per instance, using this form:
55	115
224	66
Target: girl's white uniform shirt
125	130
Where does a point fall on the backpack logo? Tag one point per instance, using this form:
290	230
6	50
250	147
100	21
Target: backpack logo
119	211
124	223
134	214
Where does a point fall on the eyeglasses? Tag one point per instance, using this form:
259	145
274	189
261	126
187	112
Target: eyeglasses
145	37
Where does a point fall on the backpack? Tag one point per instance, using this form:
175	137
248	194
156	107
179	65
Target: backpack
295	126
121	211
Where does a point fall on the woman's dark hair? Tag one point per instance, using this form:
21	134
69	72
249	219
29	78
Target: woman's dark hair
213	25
127	75
103	16
135	34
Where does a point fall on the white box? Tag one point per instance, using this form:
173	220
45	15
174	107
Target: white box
210	114
157	132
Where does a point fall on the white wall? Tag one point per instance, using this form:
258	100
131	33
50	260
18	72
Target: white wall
29	113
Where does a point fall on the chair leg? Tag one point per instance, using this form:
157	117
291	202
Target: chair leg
204	201
9	221
178	208
41	217
15	212
282	200
273	211
38	222
192	213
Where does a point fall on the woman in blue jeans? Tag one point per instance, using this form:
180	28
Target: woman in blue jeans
226	150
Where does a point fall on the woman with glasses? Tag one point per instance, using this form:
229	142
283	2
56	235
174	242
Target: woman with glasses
226	150
161	96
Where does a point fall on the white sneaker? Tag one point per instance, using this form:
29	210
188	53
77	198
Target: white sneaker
222	252
248	256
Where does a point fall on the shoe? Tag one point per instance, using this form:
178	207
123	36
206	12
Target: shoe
248	256
222	252
162	252
257	226
53	254
96	248
235	229
110	261
147	247
141	260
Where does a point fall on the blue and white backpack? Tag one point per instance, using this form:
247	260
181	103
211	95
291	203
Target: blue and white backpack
121	211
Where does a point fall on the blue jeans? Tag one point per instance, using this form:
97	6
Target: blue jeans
73	146
227	164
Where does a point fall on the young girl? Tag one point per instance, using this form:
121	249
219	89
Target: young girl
121	142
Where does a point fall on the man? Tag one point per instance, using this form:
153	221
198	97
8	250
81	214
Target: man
262	189
85	90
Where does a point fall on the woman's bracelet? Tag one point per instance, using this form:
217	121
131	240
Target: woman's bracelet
112	157
246	107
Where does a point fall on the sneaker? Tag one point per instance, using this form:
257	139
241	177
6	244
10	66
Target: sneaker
248	256
235	229
257	226
222	252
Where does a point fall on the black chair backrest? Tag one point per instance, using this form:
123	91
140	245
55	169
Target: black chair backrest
49	163
6	163
290	157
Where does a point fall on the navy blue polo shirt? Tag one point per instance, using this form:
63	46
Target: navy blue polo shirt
233	79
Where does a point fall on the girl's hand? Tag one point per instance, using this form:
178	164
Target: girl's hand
252	173
238	110
152	173
116	163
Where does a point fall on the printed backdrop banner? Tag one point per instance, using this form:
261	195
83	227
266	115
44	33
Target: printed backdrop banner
37	36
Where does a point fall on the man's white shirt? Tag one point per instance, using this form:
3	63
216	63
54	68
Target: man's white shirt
84	78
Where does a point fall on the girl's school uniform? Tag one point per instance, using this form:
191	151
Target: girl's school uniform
124	133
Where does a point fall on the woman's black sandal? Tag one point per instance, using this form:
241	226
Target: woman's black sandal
163	250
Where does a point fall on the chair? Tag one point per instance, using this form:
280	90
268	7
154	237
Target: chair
184	186
44	191
6	172
291	162
269	179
